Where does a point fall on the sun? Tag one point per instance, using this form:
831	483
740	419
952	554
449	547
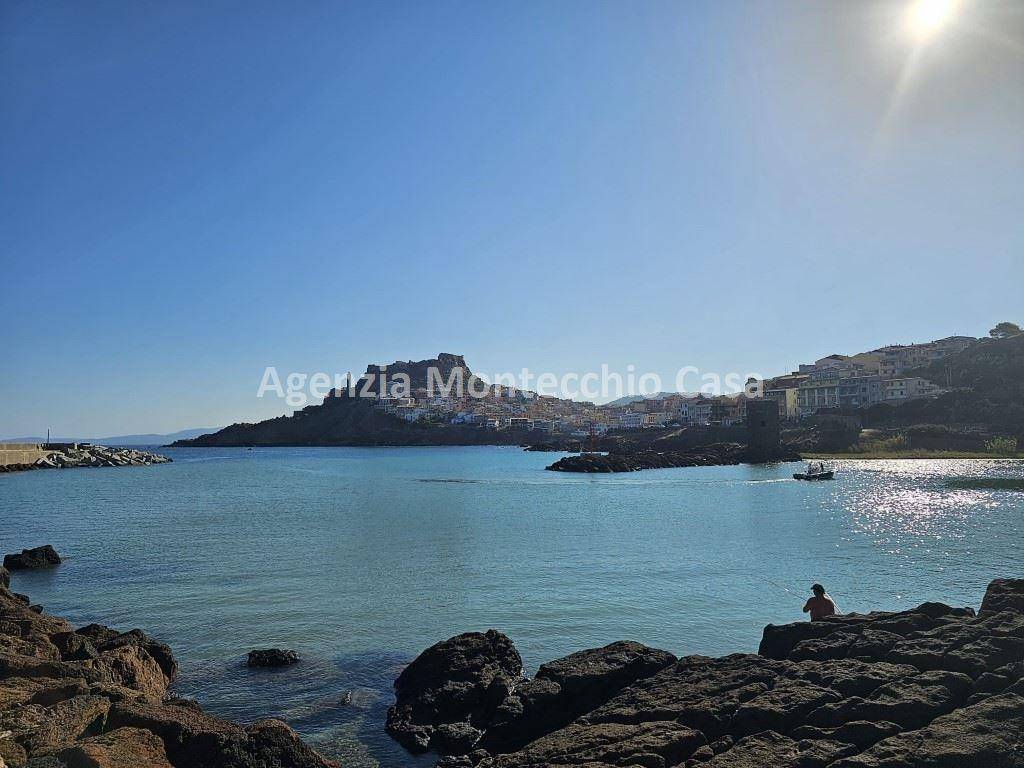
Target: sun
927	17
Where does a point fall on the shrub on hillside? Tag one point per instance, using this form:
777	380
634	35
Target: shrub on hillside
1001	445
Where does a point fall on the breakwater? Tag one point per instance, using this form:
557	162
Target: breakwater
75	455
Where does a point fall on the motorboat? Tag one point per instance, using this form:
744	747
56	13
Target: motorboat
815	471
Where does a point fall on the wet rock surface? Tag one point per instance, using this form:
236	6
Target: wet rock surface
1003	595
98	698
931	687
452	690
30	559
271	657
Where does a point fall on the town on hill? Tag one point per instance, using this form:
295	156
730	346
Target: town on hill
968	384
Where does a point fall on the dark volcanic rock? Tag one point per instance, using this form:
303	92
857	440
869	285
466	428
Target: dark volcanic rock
985	735
120	748
5	577
37	728
129	659
567	688
652	744
910	702
95	697
1003	595
272	657
841	636
73	646
194	738
781	708
700	692
39	557
860	733
455	683
97	633
773	750
709	455
715	454
272	743
932	687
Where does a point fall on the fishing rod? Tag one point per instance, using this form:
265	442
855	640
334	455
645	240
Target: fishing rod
777	585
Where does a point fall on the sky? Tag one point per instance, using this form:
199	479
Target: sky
192	192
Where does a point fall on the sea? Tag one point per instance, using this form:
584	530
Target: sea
360	558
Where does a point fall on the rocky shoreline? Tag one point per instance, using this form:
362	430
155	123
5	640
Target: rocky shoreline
94	697
713	455
931	687
84	455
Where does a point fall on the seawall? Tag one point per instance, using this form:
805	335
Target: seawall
20	453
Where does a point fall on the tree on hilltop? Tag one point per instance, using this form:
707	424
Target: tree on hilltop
1005	330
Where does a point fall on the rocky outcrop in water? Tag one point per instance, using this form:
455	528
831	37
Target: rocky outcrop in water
452	691
83	455
931	687
32	559
98	698
716	454
271	657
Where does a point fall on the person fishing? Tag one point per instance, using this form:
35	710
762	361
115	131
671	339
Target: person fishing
821	605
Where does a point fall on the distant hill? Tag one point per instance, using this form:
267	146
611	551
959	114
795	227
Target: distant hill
987	388
630	399
145	439
155	439
993	367
353	421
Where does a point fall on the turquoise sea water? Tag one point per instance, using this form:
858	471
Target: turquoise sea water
360	558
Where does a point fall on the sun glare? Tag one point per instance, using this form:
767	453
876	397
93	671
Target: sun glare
928	17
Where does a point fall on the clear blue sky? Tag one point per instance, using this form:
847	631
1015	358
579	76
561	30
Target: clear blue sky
194	191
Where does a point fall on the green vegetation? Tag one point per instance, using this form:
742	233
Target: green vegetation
1002	445
894	444
902	446
1005	330
985	383
911	453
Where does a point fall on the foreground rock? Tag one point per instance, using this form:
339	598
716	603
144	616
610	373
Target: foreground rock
272	657
931	687
119	748
86	455
98	698
30	559
564	689
452	690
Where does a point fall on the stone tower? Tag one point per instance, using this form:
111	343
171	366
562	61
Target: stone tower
763	433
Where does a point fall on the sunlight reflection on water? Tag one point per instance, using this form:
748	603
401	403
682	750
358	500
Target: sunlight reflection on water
907	503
